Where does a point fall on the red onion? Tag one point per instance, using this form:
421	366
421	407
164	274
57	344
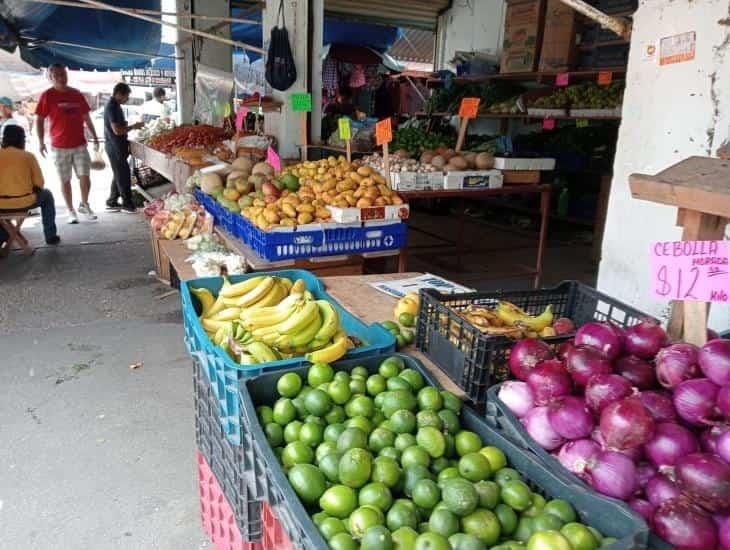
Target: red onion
670	442
644	472
660	488
723	531
723	401
626	423
570	417
645	339
605	337
517	396
676	363
705	478
708	438
634	453
612	474
604	389
695	401
548	380
584	362
714	360
538	426
659	405
635	370
565	348
526	354
642	507
563	325
685	525
723	446
574	455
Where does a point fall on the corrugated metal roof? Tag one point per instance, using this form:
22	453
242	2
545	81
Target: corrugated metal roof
422	14
414	45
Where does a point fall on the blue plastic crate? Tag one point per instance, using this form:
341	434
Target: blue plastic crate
224	373
608	517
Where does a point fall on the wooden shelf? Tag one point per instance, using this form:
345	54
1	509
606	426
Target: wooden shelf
526	116
532	76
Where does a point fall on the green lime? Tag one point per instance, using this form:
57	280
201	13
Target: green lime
503	475
423	527
386	471
265	414
449	421
298	403
460	496
398	383
495	456
428	418
315	420
289	384
342	376
547	522
429	398
403	421
548	540
377	538
312	434
415	455
330	466
507	518
404	538
342	541
375	494
338	501
432	541
325	448
451	402
560	508
538	503
488	492
297	452
380	438
462	541
284	411
396	400
339	391
406	319
408	336
400	341
319	373
359	422
380	420
405	440
291	431
308	482
396	360
467	442
439	464
447	473
413	377
318	402
352	438
579	536
596	533
358	386
389	369
426	493
330	527
401	515
390	452
450	447
360	405
355	468
319	517
363	519
516	494
375	384
607	541
524	530
412	475
274	434
483	524
360	371
333	431
390	325
474	467
432	440
443	522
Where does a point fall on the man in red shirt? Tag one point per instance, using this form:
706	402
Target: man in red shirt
67	111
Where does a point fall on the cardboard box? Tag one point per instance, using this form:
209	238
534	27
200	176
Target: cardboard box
559	51
162	262
473	179
510	163
521	177
374	213
416	181
522	36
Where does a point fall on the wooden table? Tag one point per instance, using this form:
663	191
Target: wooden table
476	194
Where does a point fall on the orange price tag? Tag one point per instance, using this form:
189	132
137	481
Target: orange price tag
605	78
469	107
383	132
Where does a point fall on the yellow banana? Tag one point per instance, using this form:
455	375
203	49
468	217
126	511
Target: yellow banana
286	283
272	298
247	359
219	304
228	314
242	287
255	294
261	352
212	326
262	332
308	295
298	287
332	352
269	316
299	319
205	298
330	321
306	335
515	316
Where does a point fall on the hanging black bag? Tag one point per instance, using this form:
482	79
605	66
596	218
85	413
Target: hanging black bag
281	72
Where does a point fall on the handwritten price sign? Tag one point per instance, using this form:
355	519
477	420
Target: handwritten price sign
697	271
343	125
272	157
469	107
383	132
241	117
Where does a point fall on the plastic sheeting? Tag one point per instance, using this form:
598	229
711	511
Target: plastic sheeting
30	25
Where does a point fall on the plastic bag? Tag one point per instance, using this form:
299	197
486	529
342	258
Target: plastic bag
97	160
281	71
213	94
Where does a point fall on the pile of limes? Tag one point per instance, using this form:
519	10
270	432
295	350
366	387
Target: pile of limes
382	463
403	337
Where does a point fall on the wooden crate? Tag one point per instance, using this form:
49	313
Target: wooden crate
162	262
521	177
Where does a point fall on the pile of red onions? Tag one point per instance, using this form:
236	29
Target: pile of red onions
638	419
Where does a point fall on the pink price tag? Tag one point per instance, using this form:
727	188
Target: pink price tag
272	157
240	117
548	124
698	271
562	79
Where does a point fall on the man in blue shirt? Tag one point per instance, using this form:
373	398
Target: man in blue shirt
117	149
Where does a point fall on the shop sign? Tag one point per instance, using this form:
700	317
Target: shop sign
301	103
690	270
677	48
149	77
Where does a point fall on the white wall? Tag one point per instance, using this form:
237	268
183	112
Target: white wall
670	112
470	25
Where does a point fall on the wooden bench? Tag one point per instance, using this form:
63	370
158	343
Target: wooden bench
11	221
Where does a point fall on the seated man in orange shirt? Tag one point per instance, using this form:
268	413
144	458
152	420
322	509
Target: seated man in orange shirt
21	182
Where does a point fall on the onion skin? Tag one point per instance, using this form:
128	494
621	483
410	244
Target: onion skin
565	348
626	424
612	474
723	446
604	389
604	337
537	424
714	360
676	363
723	530
685	525
635	370
659	404
517	396
644	472
694	401
705	479
570	417
670	442
642	507
645	339
549	380
584	362
575	455
525	356
660	488
723	401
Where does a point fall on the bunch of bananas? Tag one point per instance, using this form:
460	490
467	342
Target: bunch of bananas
268	318
509	320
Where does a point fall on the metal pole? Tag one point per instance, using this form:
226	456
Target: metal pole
616	24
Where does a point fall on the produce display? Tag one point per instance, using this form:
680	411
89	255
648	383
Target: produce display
201	136
266	318
405	314
448	99
449	160
588	95
637	418
177	216
153	128
380	461
511	106
400	161
211	258
511	321
414	140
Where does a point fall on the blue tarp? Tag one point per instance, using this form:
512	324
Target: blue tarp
30	25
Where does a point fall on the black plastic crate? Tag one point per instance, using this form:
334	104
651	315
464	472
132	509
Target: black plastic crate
609	518
475	361
232	466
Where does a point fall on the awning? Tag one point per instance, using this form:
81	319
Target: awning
79	38
421	14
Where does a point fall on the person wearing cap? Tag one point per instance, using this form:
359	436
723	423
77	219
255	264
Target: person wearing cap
6	114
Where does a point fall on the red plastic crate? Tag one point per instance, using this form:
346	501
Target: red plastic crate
219	521
274	537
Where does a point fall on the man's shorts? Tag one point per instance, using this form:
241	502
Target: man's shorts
65	159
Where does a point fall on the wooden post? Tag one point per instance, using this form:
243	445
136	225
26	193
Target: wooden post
462	134
386	162
348	149
303	130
